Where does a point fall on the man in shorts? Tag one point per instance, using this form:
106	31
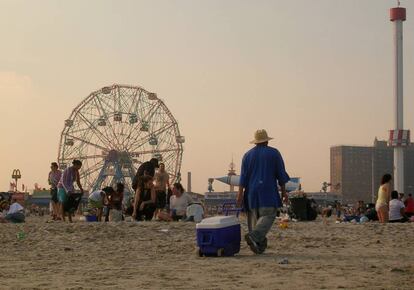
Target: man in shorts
54	177
162	182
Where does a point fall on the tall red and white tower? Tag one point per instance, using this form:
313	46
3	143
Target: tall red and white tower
399	138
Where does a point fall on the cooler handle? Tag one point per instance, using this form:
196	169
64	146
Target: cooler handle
208	241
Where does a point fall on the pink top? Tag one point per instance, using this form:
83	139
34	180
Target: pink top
54	178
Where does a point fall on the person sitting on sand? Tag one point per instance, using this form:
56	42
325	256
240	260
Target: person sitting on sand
115	202
371	213
66	188
14	213
409	206
383	199
145	198
179	202
360	208
96	200
396	214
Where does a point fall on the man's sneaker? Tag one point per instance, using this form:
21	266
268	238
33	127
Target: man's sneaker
263	246
252	244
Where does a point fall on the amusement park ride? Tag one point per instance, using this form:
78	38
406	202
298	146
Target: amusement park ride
114	130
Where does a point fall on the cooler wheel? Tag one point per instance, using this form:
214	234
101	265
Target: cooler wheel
199	253
220	252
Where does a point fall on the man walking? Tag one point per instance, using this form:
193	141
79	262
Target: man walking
262	170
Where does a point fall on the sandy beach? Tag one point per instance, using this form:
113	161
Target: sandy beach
156	255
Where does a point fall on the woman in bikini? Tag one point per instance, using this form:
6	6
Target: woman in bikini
382	205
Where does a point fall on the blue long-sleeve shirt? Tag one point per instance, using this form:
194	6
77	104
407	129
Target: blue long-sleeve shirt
262	169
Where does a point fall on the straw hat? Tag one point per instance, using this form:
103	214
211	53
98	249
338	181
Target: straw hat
260	136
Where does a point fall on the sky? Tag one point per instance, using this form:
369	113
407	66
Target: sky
314	74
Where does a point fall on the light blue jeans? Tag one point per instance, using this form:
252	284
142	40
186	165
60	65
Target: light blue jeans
260	221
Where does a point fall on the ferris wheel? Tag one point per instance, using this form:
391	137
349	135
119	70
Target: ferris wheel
116	129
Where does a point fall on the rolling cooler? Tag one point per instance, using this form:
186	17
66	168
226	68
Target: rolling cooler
218	236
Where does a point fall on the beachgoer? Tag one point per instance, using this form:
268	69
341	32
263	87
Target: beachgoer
371	213
327	211
396	214
383	200
401	196
66	188
338	208
14	213
262	171
54	177
409	206
162	182
115	202
146	168
96	200
145	197
179	202
360	208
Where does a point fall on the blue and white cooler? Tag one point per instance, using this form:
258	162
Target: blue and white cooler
218	236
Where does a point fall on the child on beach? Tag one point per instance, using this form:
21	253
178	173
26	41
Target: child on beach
115	203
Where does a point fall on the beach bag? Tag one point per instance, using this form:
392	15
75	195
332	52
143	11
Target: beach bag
72	202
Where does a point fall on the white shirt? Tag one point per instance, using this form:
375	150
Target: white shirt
180	203
14	208
196	211
96	195
395	209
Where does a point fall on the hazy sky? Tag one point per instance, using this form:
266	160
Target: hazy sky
313	73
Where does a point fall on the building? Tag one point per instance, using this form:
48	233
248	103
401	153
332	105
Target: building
356	171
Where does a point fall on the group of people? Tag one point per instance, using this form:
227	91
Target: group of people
390	206
109	199
154	197
63	194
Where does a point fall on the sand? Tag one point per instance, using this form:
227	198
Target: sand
157	255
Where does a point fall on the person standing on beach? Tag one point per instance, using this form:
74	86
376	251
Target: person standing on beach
54	177
162	182
66	188
145	169
383	199
261	171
